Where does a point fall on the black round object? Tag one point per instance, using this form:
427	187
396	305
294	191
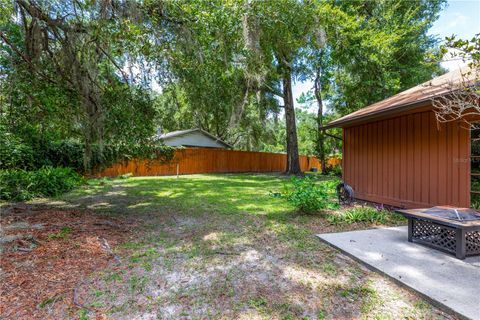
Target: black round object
345	193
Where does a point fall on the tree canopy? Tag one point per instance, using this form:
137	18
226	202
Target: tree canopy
85	70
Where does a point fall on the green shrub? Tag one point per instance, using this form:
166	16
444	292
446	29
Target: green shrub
360	214
14	154
475	201
31	150
64	153
21	185
16	185
51	181
69	153
308	196
335	171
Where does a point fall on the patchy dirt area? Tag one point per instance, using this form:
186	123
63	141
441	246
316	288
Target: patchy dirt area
47	253
204	267
200	247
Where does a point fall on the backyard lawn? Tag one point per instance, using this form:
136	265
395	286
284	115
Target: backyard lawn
194	247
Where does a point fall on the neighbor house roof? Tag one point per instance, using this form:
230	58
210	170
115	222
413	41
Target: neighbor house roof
408	99
179	133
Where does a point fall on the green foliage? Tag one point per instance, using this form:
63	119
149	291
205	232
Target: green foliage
83	314
21	185
15	185
131	114
379	48
475	183
309	196
52	90
122	152
363	53
220	65
203	56
308	130
258	302
61	234
476	147
466	49
173	109
14	153
359	214
65	153
475	201
335	171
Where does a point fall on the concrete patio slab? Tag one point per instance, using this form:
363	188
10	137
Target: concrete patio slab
444	280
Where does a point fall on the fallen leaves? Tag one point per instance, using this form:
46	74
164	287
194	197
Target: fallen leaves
42	266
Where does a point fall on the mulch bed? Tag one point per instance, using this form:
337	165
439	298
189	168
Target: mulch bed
48	254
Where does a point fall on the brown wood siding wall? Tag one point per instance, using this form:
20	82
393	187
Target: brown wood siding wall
408	161
205	160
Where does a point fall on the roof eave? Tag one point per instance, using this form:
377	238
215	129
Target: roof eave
176	134
371	116
185	132
216	138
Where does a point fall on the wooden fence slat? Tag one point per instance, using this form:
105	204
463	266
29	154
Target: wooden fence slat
206	160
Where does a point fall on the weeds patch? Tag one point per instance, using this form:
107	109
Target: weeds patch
50	300
329	268
136	284
83	314
61	234
258	302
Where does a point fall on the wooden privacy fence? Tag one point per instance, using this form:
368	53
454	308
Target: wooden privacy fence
205	160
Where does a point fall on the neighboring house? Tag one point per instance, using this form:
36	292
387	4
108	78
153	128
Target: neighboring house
396	153
193	138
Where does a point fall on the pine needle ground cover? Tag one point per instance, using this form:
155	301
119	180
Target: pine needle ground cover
196	247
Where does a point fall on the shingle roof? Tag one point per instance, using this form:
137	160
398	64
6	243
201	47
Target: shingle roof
184	132
407	99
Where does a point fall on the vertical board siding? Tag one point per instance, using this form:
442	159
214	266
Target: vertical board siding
409	161
205	160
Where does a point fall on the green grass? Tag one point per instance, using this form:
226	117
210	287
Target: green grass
225	194
221	230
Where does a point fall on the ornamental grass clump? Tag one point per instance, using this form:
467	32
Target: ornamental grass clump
359	214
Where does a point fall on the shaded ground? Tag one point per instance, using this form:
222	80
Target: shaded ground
47	254
219	246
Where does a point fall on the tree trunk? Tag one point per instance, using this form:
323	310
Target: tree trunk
93	134
84	75
293	159
320	133
87	154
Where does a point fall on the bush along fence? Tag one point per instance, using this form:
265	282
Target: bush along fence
205	160
44	168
